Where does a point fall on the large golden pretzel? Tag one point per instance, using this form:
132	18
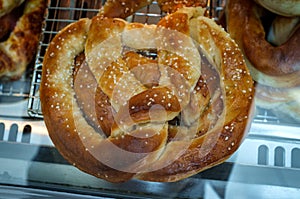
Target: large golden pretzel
154	102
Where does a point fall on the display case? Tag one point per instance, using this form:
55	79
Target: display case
266	165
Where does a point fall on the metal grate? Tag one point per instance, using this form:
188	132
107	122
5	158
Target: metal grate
15	89
62	13
265	116
14	133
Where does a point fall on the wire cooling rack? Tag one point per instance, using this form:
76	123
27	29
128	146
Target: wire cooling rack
62	13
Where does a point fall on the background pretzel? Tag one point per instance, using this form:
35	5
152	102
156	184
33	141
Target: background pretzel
107	121
273	57
269	65
19	49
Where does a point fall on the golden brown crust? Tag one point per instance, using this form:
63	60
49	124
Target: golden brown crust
218	143
145	141
63	113
19	49
275	67
172	6
148	76
269	65
280	60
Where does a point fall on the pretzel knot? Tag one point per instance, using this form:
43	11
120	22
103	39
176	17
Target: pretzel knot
154	102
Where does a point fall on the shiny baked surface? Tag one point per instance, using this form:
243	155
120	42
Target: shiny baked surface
107	121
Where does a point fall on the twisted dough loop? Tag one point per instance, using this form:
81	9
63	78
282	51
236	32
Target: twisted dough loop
19	49
127	128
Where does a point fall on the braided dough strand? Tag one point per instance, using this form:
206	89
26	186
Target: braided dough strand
223	137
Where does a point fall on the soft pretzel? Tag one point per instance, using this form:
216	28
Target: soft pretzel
274	65
8	5
19	49
284	8
125	8
269	65
108	121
